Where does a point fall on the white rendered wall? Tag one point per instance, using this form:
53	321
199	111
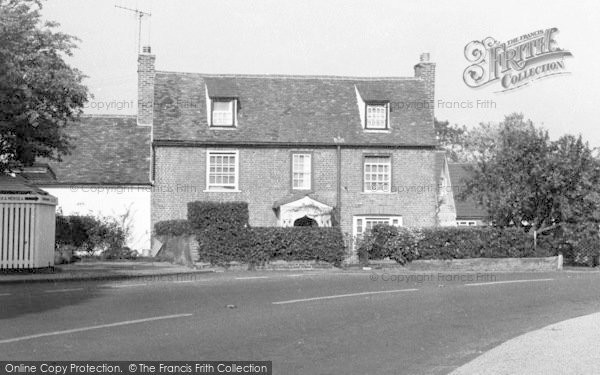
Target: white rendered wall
110	201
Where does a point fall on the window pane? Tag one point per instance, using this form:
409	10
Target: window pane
301	171
222	106
222	113
222	171
377	174
377	116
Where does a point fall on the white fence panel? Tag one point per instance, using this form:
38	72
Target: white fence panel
27	230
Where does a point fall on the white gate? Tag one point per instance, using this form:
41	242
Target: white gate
27	229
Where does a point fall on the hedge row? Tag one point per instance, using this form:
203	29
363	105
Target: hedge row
223	215
224	236
407	244
172	228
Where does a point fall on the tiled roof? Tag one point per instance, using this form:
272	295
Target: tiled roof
18	185
289	109
467	208
108	150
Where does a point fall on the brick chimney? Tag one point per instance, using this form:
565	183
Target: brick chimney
426	71
146	74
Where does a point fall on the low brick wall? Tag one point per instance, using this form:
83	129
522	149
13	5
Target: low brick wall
277	265
477	264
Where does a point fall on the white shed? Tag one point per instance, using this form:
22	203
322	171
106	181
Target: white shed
27	225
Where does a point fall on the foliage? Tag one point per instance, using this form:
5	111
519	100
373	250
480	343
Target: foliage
89	233
172	228
531	181
406	244
385	241
223	215
260	245
450	138
40	94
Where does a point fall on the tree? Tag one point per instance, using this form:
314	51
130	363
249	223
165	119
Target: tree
528	180
467	145
450	138
40	94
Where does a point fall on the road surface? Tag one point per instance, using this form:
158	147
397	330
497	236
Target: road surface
376	322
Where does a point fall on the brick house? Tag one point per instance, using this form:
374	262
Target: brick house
301	150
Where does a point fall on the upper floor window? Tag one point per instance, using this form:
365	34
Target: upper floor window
223	112
222	171
378	171
301	171
377	116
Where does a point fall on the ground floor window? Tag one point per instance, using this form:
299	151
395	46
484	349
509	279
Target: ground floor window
363	224
466	223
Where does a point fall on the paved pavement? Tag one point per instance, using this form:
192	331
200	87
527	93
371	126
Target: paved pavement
318	322
99	270
568	347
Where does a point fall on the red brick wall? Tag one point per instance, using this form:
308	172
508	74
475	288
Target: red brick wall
180	177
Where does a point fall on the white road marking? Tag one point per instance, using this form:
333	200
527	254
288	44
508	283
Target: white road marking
343	295
62	290
507	282
4	294
126	285
252	277
55	333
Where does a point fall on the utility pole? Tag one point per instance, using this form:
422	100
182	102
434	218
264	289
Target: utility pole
140	14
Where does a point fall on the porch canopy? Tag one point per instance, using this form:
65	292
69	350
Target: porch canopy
296	210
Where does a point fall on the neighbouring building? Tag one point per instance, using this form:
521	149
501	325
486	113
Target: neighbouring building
468	211
301	150
106	174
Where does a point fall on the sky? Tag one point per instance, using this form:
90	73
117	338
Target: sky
342	38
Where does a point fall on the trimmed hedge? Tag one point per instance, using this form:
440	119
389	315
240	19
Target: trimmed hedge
223	215
224	236
260	245
173	228
301	243
406	244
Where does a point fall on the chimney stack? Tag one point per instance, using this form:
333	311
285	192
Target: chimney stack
146	74
425	70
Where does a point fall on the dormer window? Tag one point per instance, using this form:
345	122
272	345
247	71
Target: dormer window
376	116
223	112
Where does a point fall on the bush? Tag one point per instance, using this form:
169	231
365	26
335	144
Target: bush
172	228
64	254
223	215
405	244
89	233
385	241
260	245
120	253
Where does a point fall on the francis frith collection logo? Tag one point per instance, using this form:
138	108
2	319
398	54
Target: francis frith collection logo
515	63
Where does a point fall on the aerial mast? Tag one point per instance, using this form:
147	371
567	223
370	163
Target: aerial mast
140	14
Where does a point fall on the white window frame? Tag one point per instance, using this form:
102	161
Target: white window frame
363	220
372	164
386	111
223	187
466	223
307	176
233	105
